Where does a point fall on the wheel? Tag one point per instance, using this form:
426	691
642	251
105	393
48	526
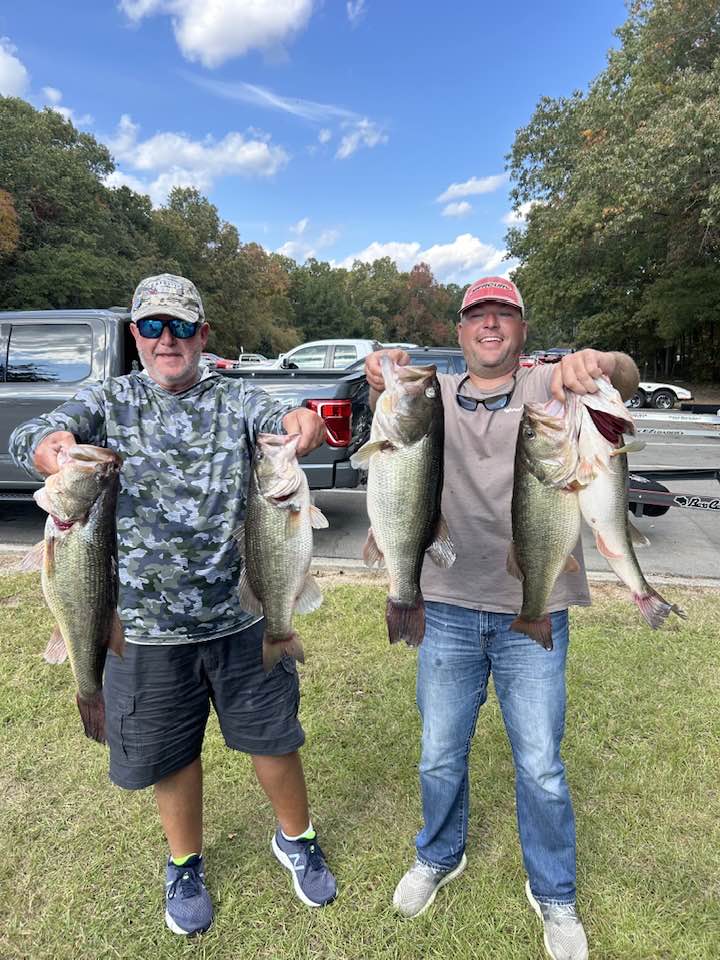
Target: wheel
638	399
663	400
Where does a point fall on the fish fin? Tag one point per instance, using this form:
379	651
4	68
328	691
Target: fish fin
310	596
55	651
512	566
442	550
92	713
637	536
33	559
655	608
571	565
372	554
585	472
318	520
604	549
538	630
275	650
42	499
116	640
248	600
238	536
361	458
406	621
635	447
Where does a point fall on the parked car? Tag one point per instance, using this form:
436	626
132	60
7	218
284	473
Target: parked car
220	363
326	354
247	358
661	396
446	359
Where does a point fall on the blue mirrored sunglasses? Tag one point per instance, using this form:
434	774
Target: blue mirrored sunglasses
151	328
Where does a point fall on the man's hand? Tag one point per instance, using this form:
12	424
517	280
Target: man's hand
46	452
576	372
373	371
309	425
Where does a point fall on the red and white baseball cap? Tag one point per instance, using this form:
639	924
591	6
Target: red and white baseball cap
492	288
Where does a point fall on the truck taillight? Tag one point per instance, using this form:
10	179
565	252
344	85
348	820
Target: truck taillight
337	415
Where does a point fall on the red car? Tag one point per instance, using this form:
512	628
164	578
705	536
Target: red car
212	359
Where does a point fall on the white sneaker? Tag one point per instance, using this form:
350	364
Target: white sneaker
564	933
418	888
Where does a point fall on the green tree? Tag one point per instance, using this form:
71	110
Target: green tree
625	226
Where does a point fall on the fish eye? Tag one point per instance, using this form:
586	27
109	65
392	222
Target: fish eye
529	433
430	392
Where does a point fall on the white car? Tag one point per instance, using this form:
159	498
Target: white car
326	354
661	396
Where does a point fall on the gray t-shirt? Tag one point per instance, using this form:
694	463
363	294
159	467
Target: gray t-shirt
477	493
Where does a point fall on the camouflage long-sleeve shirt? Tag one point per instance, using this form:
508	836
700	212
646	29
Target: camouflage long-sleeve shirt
184	480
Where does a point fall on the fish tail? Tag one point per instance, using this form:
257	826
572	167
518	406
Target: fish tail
655	608
92	713
406	621
538	630
274	649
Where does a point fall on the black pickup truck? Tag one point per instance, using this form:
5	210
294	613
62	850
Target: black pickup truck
47	355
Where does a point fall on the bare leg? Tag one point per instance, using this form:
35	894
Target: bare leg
179	800
283	781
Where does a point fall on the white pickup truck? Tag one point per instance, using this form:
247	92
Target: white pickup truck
325	354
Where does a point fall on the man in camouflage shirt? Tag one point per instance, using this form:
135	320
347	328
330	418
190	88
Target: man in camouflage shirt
186	436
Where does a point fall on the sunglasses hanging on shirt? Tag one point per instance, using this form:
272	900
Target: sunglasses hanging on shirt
490	403
151	328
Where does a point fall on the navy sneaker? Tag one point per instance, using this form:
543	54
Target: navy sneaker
188	909
313	882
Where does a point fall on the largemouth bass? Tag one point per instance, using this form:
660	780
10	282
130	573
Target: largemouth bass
276	541
604	502
404	460
545	510
79	571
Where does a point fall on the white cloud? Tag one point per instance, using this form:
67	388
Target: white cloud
514	218
303	249
14	77
52	94
464	259
300	227
356	10
359	131
172	159
262	97
213	31
457	209
364	133
473	186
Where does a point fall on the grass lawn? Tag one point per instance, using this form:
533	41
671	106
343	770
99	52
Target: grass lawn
82	861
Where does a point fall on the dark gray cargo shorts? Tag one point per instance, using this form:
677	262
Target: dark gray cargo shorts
157	702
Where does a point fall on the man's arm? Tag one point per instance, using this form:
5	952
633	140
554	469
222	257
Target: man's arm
263	414
576	371
34	445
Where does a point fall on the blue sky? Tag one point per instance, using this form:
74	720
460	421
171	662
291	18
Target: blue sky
320	128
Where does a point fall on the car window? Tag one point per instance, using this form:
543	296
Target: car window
308	357
345	354
44	352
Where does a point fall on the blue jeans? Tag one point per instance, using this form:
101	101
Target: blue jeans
460	649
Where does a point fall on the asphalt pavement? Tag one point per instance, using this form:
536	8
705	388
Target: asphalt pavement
684	542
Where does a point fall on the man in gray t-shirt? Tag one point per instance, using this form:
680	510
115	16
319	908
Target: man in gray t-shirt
469	609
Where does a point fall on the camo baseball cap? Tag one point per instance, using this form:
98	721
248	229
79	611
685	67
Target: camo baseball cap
492	288
167	294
